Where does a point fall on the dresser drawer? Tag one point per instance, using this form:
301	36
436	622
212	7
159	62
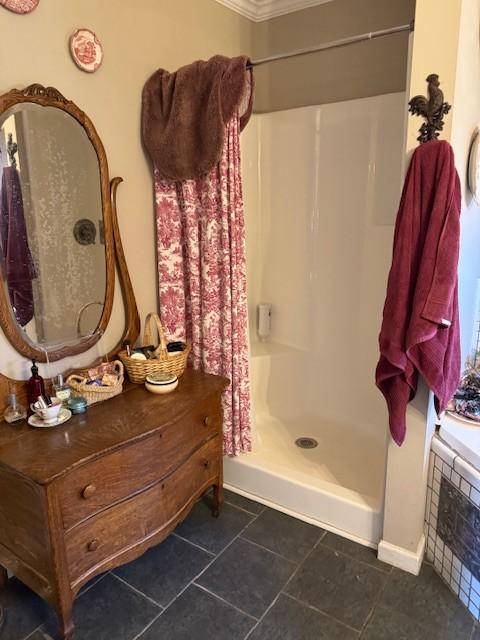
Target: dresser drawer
113	477
132	522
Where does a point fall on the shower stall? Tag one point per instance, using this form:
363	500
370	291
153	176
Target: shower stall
322	185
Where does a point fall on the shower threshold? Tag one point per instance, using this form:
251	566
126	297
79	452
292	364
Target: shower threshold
337	485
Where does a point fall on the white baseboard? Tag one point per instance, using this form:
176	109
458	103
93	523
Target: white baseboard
410	561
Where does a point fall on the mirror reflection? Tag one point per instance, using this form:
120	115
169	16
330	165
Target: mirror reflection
51	224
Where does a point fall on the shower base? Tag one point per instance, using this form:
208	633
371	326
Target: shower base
337	485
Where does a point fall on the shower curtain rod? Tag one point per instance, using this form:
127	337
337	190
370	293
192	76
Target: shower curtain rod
334	44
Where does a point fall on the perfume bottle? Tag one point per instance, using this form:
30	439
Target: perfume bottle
36	386
15	412
62	391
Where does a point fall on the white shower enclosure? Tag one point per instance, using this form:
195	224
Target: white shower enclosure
322	186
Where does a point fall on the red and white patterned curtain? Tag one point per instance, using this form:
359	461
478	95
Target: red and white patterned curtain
202	278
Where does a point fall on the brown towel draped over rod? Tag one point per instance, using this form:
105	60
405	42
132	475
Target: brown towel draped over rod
334	44
184	114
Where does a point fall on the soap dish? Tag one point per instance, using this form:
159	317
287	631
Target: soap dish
161	383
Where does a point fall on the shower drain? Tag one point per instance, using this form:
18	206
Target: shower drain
306	443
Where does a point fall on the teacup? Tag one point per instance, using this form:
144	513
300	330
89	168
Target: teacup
47	414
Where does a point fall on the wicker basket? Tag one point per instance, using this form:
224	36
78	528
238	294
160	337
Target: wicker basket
92	393
163	361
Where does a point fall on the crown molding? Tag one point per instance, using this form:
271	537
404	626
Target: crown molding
259	10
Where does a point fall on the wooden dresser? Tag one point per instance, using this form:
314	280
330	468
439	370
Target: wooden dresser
97	492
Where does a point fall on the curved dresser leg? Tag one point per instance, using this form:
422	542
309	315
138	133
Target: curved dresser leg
67	630
3	584
65	618
218	498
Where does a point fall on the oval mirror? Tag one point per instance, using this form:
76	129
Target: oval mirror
56	260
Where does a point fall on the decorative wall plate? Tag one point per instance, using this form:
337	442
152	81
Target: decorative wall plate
19	6
474	167
86	50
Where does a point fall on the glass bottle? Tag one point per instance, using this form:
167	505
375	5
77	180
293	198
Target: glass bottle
36	386
62	391
15	412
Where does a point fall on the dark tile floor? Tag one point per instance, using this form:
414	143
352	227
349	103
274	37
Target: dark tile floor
253	573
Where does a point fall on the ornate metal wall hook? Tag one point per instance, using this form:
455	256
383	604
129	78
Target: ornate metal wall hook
12	149
433	109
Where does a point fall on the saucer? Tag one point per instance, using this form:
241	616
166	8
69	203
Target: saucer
64	415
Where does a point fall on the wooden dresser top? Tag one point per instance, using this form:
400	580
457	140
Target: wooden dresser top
44	454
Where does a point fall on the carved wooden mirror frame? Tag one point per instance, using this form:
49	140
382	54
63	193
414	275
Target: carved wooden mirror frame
114	255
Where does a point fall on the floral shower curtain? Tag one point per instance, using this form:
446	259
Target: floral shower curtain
202	278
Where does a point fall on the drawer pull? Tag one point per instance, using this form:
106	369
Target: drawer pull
206	464
93	545
207	421
88	491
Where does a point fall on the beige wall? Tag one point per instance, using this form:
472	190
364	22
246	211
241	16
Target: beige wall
138	38
445	42
435	50
357	71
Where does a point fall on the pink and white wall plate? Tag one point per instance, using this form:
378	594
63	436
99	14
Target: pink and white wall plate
19	6
86	50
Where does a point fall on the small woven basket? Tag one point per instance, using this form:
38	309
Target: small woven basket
162	362
91	392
